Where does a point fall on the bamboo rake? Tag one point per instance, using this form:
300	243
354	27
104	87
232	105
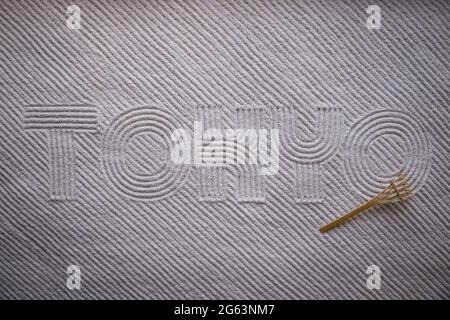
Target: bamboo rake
398	189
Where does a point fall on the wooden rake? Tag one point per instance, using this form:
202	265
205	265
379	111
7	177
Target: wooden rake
397	190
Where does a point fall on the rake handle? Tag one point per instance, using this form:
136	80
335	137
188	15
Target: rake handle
347	216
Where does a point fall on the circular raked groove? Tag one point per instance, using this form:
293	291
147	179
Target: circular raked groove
363	138
147	185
